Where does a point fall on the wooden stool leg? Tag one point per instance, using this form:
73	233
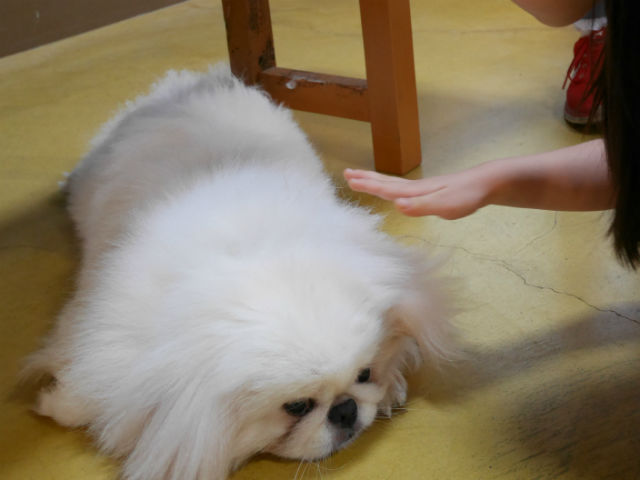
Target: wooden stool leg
393	103
249	37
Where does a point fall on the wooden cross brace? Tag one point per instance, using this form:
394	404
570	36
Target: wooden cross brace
387	98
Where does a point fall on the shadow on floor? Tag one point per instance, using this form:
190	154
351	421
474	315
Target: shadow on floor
39	251
586	421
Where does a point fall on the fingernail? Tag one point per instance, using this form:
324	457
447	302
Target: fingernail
403	202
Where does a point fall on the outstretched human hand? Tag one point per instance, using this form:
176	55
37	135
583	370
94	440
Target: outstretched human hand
447	196
574	178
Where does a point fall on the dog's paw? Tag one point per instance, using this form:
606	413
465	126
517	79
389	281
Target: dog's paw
396	395
64	408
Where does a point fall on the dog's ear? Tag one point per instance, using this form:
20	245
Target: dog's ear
419	332
423	311
187	438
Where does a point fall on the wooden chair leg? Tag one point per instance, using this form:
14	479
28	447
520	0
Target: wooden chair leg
387	98
393	103
249	37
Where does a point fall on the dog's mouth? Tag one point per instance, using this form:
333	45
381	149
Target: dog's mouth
342	439
345	437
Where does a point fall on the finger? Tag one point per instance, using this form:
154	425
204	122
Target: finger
409	207
368	174
432	204
388	190
371	187
398	188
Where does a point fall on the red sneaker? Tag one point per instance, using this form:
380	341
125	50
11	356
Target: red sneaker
584	69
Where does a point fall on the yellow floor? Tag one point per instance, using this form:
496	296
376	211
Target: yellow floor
552	319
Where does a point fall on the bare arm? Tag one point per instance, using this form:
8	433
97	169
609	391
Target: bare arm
572	178
556	13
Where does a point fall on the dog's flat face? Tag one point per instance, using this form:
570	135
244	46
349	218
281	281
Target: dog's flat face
330	418
311	418
326	360
322	416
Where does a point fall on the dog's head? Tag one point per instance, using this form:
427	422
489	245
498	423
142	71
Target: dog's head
304	352
290	351
332	355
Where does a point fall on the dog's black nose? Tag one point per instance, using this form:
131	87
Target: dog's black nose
344	414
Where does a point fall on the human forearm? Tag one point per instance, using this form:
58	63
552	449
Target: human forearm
573	178
556	13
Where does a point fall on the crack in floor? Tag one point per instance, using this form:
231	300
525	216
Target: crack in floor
542	235
511	269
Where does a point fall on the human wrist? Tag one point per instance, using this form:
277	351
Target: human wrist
492	178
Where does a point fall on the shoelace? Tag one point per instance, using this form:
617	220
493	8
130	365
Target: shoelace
582	48
581	56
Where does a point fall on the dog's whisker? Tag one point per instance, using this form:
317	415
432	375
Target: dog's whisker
295	477
328	468
306	467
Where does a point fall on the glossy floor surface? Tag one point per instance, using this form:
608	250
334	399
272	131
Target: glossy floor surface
551	321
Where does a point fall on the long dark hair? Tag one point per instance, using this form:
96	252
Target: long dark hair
619	90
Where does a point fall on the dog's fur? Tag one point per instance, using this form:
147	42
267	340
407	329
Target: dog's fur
222	279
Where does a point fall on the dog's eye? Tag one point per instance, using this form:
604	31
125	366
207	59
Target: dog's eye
299	408
364	375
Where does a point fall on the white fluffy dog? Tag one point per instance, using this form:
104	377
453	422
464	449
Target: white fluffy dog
228	303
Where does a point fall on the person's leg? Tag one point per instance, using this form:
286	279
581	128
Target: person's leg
594	19
556	13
